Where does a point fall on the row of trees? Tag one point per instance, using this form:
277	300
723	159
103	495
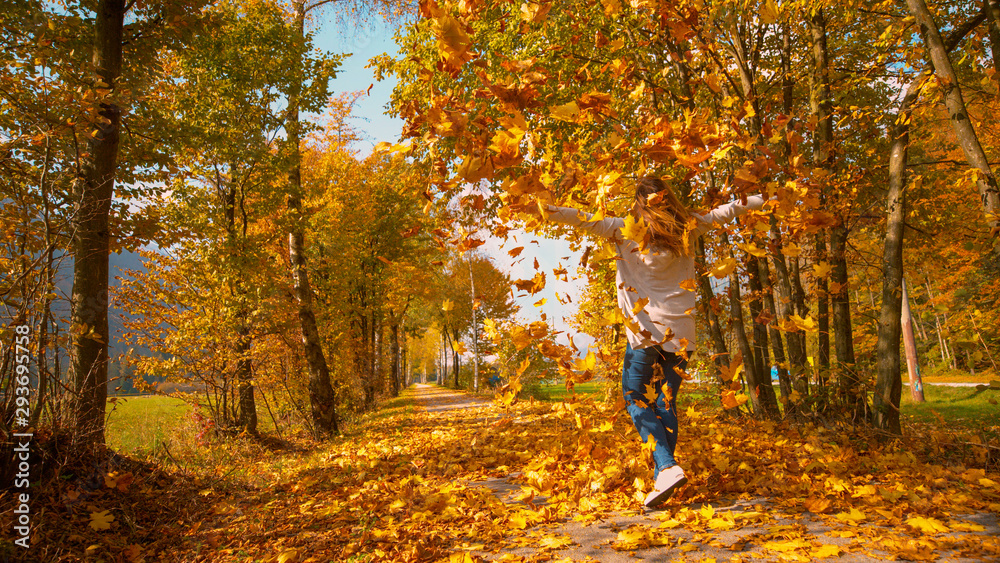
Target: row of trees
282	272
872	125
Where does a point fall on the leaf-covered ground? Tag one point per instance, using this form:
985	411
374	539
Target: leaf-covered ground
555	482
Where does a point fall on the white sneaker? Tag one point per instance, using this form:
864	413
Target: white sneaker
666	483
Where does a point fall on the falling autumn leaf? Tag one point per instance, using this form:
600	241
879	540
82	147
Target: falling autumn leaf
532	286
723	267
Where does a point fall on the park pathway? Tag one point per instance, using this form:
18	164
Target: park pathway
592	542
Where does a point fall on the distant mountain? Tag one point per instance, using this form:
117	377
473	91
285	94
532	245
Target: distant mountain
119	381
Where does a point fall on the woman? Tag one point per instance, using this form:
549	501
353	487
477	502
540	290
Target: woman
661	334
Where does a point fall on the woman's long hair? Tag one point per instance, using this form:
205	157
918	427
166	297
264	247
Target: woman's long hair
664	215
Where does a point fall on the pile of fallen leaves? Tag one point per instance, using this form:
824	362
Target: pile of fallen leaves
404	488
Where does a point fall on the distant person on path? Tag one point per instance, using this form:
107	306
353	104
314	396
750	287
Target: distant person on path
661	334
495	382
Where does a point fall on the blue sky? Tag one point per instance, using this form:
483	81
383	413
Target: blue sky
367	40
374	38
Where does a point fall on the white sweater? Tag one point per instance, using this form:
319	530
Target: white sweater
654	276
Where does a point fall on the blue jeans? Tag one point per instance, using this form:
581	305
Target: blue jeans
657	419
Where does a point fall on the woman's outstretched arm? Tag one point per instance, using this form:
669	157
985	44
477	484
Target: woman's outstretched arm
726	213
609	227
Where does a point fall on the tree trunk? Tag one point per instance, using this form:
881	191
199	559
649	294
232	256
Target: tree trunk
982	341
888	386
777	346
91	241
946	355
47	293
454	354
322	399
991	8
404	358
761	354
395	358
244	371
788	297
475	332
912	361
708	301
795	339
850	384
765	404
445	340
371	355
820	104
247	416
986	182
940	336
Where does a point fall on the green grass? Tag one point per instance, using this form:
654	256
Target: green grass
960	406
557	391
162	430
140	426
401	405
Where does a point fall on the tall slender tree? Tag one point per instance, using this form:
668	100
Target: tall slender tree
888	385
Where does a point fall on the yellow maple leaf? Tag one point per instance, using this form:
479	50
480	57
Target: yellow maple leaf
753	250
555	542
824	551
633	230
538	329
453	41
650	394
927	525
448	305
817	505
101	520
639	305
535	12
732	371
586	363
965	526
518	521
732	400
689	284
611	7
532	286
723	267
721	524
520	337
787	545
807	324
769	13
791	250
822	269
852	517
566	112
507	142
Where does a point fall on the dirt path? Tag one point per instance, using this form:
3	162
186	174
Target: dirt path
755	522
434	399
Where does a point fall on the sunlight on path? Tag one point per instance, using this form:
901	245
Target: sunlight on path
432	398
